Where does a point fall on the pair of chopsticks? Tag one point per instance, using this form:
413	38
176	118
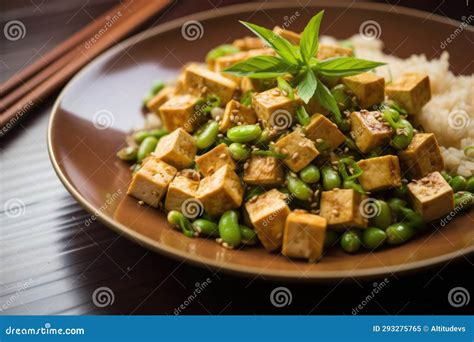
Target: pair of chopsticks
32	85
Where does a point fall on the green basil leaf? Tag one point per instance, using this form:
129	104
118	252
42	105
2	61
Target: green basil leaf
325	99
221	50
310	37
284	86
302	116
345	66
281	46
260	67
307	86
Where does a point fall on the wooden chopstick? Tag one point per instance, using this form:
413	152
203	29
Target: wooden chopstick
57	73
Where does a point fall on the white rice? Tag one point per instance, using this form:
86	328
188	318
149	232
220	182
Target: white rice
449	114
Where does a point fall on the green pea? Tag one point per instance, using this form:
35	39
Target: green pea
244	133
128	153
373	238
470	184
383	215
399	233
157	133
207	136
401	191
249	236
239	152
396	204
330	238
298	188
229	230
350	241
310	174
458	183
223	140
264	138
146	147
206	227
392	112
157	87
140	136
463	200
331	178
177	219
412	218
401	141
447	177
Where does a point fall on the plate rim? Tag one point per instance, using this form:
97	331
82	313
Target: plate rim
163	249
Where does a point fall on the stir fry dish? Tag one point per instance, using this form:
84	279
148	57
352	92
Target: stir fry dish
282	141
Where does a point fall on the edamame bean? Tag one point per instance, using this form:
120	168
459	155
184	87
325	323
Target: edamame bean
412	218
157	133
146	147
458	183
252	192
249	236
463	200
392	112
128	153
396	204
401	141
239	152
298	188
373	238
470	184
310	174
206	227
330	238
229	230
177	219
350	241
207	136
401	191
330	178
383	215
244	133
447	177
399	233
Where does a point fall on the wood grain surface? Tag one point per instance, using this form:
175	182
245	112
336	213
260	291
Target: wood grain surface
52	261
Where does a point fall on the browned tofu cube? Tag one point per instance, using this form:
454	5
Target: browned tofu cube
236	113
181	190
159	99
367	87
149	184
304	236
267	213
201	82
412	91
177	148
432	196
178	112
262	170
326	51
292	37
380	173
213	160
299	149
220	191
314	107
273	101
422	156
248	43
369	130
342	209
256	84
321	129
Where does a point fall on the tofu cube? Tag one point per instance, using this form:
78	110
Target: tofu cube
380	173
220	191
299	149
256	85
236	112
177	148
224	62
322	129
263	170
292	37
159	99
314	107
412	91
248	43
178	111
432	196
304	236
367	87
201	82
326	51
149	184
183	188
270	101
422	156
213	160
369	130
342	209
267	214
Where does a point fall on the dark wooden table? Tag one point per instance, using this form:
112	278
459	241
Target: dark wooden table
51	263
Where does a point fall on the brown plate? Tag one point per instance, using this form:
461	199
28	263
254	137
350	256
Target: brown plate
100	105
